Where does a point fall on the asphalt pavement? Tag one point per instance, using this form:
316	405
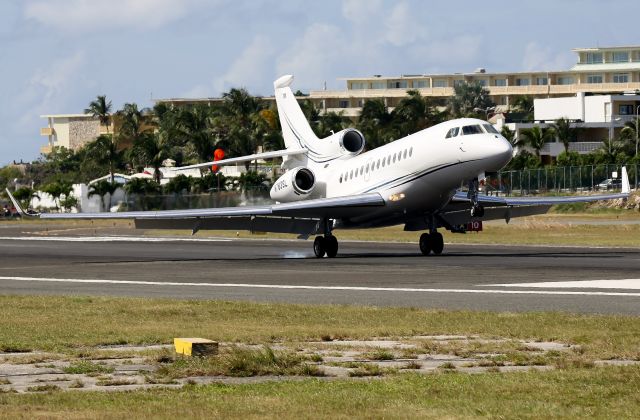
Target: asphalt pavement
473	277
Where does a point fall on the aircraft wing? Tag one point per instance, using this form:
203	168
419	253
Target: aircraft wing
457	211
265	155
301	217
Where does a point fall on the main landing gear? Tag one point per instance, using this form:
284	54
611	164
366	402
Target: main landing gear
431	242
325	245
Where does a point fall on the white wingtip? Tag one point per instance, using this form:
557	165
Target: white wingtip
626	187
15	202
283	81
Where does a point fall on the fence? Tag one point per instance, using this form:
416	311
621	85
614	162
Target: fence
561	179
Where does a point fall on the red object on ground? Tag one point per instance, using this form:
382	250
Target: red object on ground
218	154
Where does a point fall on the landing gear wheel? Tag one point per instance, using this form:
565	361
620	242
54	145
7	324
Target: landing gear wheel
477	211
331	246
437	243
319	247
425	244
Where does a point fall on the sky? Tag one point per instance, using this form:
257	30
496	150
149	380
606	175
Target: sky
57	55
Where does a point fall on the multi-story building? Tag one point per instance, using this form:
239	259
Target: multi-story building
598	70
72	131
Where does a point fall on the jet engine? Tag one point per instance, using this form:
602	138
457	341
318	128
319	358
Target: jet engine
294	185
346	142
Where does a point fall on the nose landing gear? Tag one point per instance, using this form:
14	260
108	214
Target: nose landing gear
476	208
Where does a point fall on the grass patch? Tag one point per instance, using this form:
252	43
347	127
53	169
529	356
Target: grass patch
367	369
115	382
380	354
76	384
108	319
240	362
5	381
43	388
85	367
575	393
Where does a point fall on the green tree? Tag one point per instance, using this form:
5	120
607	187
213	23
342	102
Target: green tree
536	137
152	150
178	184
103	188
415	112
524	104
567	158
564	132
101	109
629	134
104	150
141	186
467	99
376	123
24	195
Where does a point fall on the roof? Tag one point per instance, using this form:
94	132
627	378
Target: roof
592	49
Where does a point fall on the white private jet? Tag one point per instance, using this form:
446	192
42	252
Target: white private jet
332	183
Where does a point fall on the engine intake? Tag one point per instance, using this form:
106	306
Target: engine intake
294	185
352	141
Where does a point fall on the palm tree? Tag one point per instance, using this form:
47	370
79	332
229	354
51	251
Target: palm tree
195	126
102	188
564	132
524	104
377	123
467	98
152	150
104	149
630	133
101	109
415	112
536	138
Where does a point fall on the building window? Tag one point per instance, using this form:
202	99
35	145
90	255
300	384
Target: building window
500	82
594	78
593	58
359	85
481	82
360	103
401	84
620	57
457	83
542	81
440	83
377	85
625	110
565	80
420	84
620	78
344	104
522	82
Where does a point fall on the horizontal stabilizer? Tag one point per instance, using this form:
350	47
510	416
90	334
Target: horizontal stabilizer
265	155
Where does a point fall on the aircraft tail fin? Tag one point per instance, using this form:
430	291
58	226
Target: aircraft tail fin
296	131
17	205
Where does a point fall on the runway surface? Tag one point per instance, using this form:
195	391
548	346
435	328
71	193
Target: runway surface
495	278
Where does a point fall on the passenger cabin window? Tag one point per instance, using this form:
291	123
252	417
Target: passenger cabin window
490	129
452	132
471	129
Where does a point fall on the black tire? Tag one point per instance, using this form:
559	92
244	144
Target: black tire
319	247
437	243
331	246
425	244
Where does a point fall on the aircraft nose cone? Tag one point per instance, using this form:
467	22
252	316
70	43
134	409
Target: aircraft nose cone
501	153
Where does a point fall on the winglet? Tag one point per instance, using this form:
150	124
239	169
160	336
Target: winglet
17	205
626	189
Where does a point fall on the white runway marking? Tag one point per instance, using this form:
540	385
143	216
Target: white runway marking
109	239
301	287
629	284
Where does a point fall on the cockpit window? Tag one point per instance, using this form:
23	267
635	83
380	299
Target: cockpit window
490	129
452	132
471	129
